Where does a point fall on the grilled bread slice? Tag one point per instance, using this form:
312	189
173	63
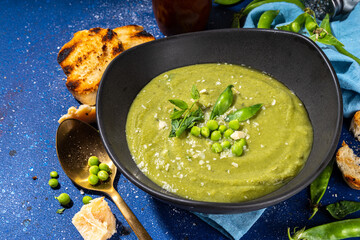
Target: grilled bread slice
132	35
349	164
85	57
84	60
355	125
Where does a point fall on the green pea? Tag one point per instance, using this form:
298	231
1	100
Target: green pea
226	144
295	27
215	135
228	133
103	175
216	147
104	167
237	149
212	125
234	124
241	142
64	199
93	179
222	128
53	183
54	174
195	130
93	161
86	199
205	131
94	170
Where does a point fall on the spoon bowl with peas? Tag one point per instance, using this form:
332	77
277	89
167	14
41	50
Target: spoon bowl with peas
76	142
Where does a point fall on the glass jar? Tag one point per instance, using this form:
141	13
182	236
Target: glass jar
181	16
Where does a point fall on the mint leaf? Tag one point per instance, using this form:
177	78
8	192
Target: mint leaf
179	103
195	93
177	114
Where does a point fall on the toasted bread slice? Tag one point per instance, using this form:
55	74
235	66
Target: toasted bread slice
355	125
85	57
349	164
84	60
132	35
84	113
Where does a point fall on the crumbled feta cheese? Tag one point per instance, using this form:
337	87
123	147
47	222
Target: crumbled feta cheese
203	91
162	125
201	162
235	164
143	106
273	102
238	135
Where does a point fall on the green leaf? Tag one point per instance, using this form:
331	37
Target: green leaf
179	103
60	211
328	39
177	114
223	103
175	123
325	24
341	209
244	114
195	93
190	121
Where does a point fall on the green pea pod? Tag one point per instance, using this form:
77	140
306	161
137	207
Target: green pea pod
342	50
267	18
295	25
227	2
255	4
335	230
341	209
318	187
223	102
244	114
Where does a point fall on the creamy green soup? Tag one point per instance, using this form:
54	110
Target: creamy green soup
279	137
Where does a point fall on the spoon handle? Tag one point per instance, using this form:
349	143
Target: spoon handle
129	216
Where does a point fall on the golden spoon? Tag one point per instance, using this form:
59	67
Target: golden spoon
76	141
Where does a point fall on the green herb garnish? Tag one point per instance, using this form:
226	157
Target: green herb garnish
185	118
60	211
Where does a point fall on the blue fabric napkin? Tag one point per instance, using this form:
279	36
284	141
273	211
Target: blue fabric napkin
347	30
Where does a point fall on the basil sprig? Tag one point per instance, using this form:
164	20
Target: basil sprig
183	118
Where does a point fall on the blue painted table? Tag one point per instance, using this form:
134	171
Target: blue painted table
32	98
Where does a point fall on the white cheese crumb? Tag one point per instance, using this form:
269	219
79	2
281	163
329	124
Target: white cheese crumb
238	135
208	167
201	162
203	91
262	146
162	125
143	106
82	192
286	143
235	164
155	115
273	102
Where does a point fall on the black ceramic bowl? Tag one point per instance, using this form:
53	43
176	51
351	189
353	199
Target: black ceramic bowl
291	58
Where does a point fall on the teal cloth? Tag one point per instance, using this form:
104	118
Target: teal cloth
347	30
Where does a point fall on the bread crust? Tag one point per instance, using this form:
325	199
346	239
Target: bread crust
348	164
85	57
355	125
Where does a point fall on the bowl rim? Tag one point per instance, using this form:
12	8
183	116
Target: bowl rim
221	207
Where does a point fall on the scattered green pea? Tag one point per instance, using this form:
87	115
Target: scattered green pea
53	183
216	147
225	144
64	199
195	130
104	167
237	149
215	135
212	125
222	128
228	133
103	175
54	174
234	124
93	179
93	161
205	131
86	199
94	170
